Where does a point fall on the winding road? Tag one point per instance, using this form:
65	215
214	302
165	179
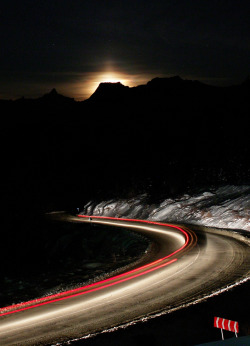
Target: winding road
185	265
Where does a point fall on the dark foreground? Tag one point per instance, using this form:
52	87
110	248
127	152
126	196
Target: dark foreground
60	256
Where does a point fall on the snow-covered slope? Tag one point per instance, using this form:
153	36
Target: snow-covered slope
224	207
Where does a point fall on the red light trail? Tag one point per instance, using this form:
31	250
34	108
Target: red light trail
115	280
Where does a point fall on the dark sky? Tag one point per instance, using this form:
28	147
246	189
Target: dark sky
73	45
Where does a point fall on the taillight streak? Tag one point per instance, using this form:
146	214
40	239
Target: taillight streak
92	290
107	282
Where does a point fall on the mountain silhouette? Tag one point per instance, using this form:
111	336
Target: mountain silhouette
168	91
54	97
156	88
109	91
172	93
160	103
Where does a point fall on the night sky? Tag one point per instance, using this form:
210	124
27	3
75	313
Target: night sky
73	45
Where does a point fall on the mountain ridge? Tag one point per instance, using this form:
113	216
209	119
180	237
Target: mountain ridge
117	88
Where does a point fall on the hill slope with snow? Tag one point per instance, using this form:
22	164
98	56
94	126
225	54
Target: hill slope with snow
224	207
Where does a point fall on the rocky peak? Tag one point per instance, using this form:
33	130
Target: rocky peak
108	91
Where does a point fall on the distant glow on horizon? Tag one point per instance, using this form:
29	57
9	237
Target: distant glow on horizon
93	79
83	85
112	77
107	77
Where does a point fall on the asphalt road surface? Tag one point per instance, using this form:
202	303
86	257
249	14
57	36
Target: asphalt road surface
184	266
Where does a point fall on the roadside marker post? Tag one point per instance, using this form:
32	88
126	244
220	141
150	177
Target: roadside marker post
222	323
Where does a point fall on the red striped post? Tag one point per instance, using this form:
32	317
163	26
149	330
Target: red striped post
222	323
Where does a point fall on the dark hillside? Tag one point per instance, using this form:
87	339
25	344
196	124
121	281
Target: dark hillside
164	137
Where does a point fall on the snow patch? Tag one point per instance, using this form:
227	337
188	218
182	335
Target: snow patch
224	207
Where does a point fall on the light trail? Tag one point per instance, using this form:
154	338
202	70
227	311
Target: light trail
143	270
184	268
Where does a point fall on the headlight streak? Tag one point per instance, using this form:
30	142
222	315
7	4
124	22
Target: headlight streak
189	241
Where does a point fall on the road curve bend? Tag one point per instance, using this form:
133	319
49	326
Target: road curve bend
186	266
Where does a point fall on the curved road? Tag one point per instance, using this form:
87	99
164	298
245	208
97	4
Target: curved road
184	266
